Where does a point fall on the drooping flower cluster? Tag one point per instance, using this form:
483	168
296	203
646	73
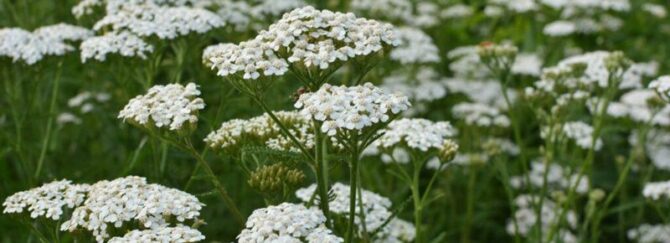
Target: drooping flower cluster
308	38
162	22
376	208
557	178
419	134
263	130
526	218
417	47
657	190
122	43
170	105
350	108
478	114
47	200
163	234
131	200
31	47
582	134
287	222
647	233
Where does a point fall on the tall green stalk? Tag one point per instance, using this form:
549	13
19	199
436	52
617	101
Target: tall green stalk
50	121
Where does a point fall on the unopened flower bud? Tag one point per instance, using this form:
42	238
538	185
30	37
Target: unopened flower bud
596	195
448	151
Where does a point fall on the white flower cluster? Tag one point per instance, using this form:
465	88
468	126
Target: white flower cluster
165	105
287	222
421	14
503	145
244	15
47	200
417	133
123	43
163	22
179	234
131	199
656	10
635	105
527	218
647	233
582	134
635	74
657	147
657	190
487	92
465	63
570	5
457	11
397	231
31	47
527	64
662	86
477	114
81	104
596	72
350	108
86	7
557	178
264	130
423	85
309	37
517	6
417	47
560	28
377	209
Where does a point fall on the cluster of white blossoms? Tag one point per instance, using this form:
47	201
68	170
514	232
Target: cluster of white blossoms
169	105
415	133
350	108
396	231
657	147
243	15
32	47
131	200
457	11
421	14
422	85
517	6
417	47
647	233
662	86
376	208
81	104
615	5
656	10
526	218
465	63
307	37
487	92
582	134
47	200
482	115
657	190
636	105
163	22
87	7
164	234
527	64
596	72
557	178
122	43
287	222
264	130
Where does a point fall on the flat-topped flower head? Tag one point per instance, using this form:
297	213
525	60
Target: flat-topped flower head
423	85
305	38
662	86
262	129
47	200
377	208
598	66
123	43
417	47
131	200
657	190
30	48
582	134
416	133
287	222
64	32
87	7
172	106
161	234
641	105
162	22
647	233
343	108
245	16
483	115
526	218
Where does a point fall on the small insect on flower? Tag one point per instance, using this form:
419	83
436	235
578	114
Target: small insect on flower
172	105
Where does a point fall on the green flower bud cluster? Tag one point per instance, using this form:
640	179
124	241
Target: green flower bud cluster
272	179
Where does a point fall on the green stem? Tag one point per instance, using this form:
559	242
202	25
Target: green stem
465	236
322	171
50	121
418	205
353	184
